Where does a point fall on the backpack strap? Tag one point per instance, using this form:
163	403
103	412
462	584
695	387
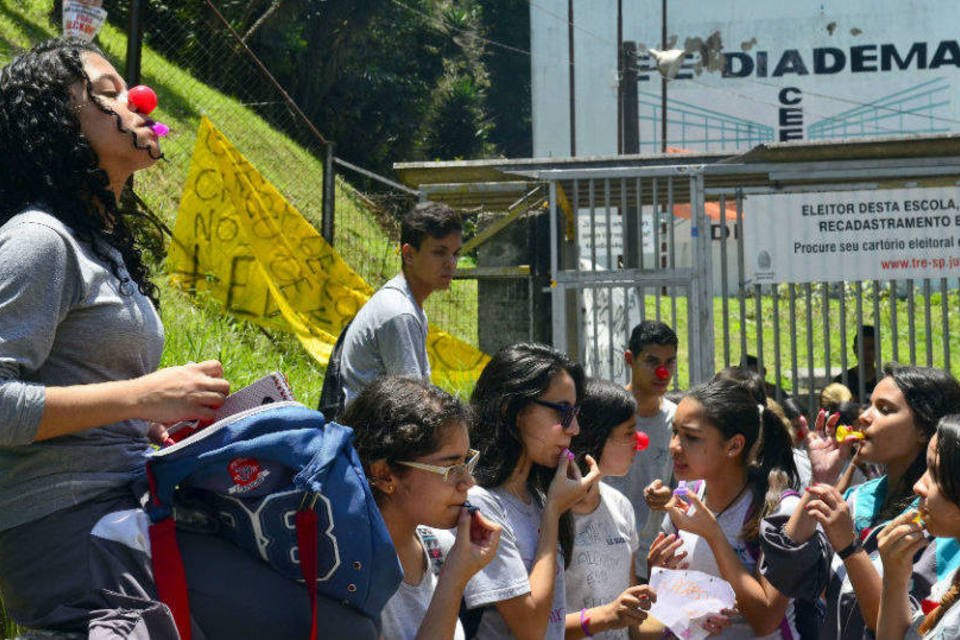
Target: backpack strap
332	395
171	579
306	523
168	572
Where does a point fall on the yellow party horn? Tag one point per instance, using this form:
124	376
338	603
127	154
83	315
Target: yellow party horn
844	432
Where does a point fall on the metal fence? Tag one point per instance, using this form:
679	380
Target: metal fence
619	263
367	209
667	242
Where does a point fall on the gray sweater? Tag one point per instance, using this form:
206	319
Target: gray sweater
64	321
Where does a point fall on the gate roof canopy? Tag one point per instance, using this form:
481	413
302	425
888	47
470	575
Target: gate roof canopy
493	185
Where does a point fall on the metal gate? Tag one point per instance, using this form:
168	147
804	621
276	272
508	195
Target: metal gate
630	243
615	261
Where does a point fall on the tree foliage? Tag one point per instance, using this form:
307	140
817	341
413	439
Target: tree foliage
387	80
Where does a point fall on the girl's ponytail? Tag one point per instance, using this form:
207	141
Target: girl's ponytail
774	470
947	601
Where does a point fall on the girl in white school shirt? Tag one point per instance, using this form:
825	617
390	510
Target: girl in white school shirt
413	442
742	454
526	403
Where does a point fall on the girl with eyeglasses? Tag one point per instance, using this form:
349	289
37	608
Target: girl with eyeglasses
526	403
900	541
412	440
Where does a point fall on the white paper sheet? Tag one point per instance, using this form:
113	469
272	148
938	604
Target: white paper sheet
686	598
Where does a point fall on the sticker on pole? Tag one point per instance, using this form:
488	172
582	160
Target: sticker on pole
83	18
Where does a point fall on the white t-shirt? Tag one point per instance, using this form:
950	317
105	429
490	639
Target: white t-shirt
403	613
651	464
507	575
600	570
949	626
701	558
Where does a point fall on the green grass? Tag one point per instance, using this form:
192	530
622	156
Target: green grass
764	323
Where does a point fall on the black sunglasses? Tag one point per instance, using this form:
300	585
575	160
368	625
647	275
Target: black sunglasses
567	411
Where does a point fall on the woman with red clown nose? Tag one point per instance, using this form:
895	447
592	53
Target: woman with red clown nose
80	391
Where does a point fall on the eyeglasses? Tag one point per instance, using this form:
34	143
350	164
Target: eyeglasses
459	472
567	411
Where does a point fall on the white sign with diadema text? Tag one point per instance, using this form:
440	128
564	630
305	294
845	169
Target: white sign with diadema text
852	235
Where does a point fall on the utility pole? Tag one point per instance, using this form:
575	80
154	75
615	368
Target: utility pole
134	43
663	79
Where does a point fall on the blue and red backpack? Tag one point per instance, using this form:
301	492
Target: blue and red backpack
285	485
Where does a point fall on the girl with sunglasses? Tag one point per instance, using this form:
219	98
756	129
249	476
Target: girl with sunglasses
526	403
904	537
413	443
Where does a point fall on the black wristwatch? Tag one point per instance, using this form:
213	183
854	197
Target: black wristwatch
850	549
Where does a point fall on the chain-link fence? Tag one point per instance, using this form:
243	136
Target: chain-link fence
217	76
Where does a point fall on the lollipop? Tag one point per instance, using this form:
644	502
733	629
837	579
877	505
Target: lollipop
160	129
681	490
844	432
476	527
662	372
643	441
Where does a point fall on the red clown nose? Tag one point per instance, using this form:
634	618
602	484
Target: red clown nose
643	441
143	99
662	372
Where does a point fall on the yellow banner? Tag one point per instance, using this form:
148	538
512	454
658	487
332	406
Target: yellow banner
237	237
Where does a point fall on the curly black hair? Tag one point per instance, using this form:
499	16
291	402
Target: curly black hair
396	418
47	162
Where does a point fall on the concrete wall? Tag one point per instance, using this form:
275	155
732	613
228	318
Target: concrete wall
516	309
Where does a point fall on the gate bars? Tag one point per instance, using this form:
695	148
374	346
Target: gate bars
629	243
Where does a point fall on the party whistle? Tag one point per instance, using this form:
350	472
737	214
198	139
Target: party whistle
844	432
662	372
643	441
